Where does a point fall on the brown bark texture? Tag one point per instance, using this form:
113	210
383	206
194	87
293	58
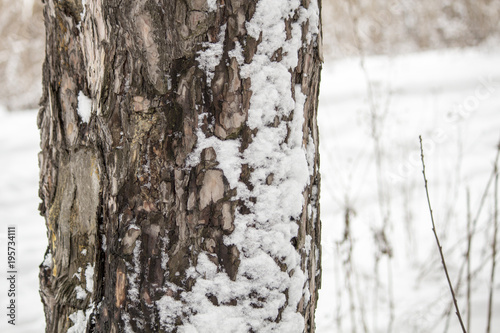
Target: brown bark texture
130	214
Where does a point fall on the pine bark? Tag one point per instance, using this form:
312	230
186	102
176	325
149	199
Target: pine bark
129	212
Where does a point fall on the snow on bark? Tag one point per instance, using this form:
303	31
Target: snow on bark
80	319
89	278
212	5
282	167
80	293
211	56
84	107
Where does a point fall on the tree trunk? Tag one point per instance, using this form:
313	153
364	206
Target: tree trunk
179	166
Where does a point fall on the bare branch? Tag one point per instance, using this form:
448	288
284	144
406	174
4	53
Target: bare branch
494	246
437	239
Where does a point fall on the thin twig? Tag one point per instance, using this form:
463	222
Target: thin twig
474	275
338	283
437	239
493	261
469	240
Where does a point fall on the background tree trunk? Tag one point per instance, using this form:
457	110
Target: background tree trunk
179	165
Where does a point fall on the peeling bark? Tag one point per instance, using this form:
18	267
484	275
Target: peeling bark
130	211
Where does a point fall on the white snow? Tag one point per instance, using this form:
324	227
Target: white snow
80	293
84	107
212	5
82	14
226	152
134	270
237	53
79	322
103	240
19	146
126	321
169	310
80	319
210	57
84	11
89	278
47	262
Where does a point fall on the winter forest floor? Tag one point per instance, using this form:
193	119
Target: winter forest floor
381	273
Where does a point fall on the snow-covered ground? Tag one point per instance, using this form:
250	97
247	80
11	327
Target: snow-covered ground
370	122
19	146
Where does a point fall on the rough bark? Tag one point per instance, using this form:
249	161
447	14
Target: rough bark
133	200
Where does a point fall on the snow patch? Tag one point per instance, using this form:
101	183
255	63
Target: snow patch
80	322
308	243
237	53
103	244
212	5
227	152
82	14
164	255
80	293
133	290
47	261
126	321
211	56
89	278
80	319
84	107
169	311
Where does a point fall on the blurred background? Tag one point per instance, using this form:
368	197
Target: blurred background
393	70
21	53
351	28
354	27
